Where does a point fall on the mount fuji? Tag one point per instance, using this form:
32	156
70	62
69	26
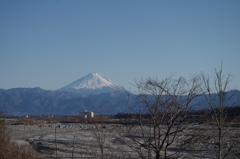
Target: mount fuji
93	83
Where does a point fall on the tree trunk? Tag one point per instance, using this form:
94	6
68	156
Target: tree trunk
157	155
220	143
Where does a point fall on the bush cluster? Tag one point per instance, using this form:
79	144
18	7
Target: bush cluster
11	150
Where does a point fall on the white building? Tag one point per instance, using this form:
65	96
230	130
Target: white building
88	114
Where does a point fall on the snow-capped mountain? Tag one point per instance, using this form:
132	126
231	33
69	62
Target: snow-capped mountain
93	83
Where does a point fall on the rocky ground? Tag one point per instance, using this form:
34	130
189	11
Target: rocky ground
69	140
80	140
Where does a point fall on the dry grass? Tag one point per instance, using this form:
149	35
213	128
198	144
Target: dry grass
11	150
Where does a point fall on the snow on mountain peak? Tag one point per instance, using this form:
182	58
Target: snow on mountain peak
91	82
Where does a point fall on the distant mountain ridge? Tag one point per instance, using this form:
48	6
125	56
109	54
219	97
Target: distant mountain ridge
93	92
36	101
93	83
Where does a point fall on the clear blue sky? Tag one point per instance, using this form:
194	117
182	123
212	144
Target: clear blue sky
51	43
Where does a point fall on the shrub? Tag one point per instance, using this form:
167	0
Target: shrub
11	150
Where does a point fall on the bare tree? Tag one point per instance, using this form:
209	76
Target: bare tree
219	97
158	115
100	135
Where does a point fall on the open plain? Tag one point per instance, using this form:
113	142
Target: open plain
105	140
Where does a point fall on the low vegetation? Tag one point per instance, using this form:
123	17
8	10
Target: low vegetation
11	150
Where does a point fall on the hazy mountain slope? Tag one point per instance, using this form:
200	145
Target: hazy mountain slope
102	106
20	102
35	101
56	94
